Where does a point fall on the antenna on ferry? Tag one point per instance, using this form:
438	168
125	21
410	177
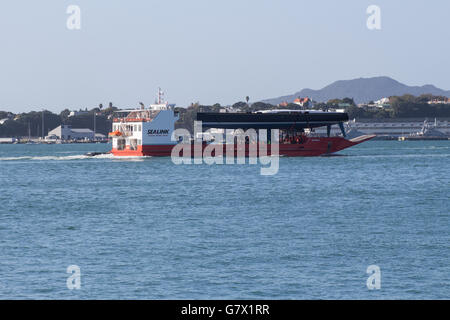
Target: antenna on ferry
160	96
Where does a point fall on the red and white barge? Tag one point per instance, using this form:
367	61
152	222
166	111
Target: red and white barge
148	131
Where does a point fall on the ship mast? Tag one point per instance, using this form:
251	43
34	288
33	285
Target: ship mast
160	96
43	124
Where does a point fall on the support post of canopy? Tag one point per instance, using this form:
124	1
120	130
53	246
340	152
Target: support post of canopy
341	125
328	130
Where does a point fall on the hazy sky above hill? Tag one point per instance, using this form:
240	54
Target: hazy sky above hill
210	51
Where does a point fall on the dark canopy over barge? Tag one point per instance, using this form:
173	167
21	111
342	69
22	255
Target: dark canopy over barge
277	119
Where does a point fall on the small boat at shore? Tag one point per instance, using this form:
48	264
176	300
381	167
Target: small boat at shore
428	132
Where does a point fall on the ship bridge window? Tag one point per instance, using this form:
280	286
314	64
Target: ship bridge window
120	144
133	144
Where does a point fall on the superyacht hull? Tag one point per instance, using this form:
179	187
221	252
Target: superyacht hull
313	146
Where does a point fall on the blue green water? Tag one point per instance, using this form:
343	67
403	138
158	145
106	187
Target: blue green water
148	229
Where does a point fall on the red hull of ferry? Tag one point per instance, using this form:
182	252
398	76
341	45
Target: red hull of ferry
312	147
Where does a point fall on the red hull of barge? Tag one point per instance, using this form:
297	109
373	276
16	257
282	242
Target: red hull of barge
312	147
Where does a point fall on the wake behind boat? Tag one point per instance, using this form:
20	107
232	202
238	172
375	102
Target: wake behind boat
94	154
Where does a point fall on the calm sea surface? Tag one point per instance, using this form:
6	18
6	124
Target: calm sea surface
148	229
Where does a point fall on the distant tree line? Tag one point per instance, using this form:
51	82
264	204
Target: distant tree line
406	106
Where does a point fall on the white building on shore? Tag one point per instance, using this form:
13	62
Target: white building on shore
77	113
8	140
66	132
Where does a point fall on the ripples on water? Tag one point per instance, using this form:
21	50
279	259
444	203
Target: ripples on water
146	228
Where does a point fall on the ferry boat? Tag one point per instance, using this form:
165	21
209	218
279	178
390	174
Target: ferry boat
144	131
148	131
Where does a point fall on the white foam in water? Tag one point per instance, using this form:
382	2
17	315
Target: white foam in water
74	157
129	158
58	158
14	158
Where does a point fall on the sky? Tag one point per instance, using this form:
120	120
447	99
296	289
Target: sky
210	51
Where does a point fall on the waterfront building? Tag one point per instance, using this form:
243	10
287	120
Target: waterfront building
66	132
77	113
8	140
442	101
302	102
